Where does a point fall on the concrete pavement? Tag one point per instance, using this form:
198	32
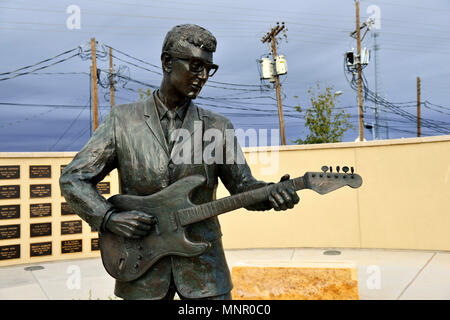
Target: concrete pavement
382	274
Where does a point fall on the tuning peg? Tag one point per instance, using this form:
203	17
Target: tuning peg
331	169
324	168
337	169
352	170
345	169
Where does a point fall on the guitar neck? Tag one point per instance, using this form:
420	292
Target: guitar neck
230	203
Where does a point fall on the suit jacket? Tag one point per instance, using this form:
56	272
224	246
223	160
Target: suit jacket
131	139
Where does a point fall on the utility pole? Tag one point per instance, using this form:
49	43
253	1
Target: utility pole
376	47
94	85
111	79
359	69
418	106
271	37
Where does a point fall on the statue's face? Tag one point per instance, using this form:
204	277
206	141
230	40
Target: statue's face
190	70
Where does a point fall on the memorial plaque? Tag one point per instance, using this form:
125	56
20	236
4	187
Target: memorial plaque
9	172
11	231
10	192
40	172
71	246
40	210
40	190
71	227
104	187
41	249
10	212
66	209
94	244
40	229
10	252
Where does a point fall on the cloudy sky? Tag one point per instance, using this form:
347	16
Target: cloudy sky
49	109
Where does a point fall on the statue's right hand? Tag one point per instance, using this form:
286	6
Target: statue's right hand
130	224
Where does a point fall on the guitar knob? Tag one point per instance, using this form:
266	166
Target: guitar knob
139	257
136	266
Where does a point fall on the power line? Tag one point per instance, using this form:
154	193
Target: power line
40	62
68	128
40	68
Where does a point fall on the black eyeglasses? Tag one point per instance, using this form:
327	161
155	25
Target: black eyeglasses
197	65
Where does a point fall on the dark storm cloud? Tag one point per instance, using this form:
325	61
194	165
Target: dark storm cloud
413	40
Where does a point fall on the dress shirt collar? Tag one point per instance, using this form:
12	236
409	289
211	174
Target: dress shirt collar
162	109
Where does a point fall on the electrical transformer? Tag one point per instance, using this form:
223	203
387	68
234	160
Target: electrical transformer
267	68
365	56
281	65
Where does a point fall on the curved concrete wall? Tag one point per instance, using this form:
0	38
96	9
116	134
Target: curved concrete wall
404	202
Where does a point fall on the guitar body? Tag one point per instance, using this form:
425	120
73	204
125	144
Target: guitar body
127	259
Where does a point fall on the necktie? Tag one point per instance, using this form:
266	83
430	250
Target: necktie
170	128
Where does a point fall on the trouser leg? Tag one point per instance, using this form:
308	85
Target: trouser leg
173	289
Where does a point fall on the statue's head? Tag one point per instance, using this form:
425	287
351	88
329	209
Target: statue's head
187	58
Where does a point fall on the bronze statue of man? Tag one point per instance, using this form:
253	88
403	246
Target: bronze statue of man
135	138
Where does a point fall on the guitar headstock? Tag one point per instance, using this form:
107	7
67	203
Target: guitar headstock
327	180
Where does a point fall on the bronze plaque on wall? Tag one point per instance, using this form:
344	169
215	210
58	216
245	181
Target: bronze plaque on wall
11	231
94	244
10	252
41	249
71	246
40	190
10	212
40	210
40	172
9	172
104	187
66	209
71	227
40	229
10	192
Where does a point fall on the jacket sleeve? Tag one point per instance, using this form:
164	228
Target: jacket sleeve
235	172
79	179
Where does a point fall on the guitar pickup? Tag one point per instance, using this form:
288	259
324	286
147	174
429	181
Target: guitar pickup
173	218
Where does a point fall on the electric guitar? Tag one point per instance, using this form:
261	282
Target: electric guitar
127	259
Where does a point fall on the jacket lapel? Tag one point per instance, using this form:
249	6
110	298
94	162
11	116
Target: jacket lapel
152	120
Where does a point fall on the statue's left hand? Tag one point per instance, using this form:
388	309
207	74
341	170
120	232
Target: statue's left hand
283	197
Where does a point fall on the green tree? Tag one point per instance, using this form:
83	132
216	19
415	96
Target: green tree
324	123
144	94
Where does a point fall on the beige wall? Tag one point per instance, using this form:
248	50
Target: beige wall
403	202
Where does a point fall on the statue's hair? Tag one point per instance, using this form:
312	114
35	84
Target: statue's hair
178	37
